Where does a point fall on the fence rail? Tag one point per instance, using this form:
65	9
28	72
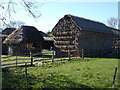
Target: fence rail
18	61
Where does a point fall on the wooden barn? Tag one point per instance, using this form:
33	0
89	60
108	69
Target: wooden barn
24	40
116	41
76	35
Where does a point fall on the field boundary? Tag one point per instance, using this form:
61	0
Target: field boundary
16	61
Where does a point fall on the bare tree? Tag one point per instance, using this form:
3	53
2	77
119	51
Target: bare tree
15	24
112	22
8	7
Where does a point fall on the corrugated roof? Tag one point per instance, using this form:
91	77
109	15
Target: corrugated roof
90	25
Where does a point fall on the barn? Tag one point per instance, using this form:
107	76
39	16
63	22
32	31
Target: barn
6	31
116	40
23	40
76	35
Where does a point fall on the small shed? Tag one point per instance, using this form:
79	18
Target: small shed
77	35
48	41
23	39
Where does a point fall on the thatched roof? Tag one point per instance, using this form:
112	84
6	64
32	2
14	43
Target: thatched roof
88	25
46	37
8	31
23	35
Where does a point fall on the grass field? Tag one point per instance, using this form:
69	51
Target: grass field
84	73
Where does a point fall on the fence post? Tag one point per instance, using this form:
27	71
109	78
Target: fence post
26	73
61	56
82	54
113	86
69	55
16	59
51	49
52	55
31	57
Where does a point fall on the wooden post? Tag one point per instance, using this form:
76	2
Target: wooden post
113	86
82	54
69	55
61	56
52	54
30	47
31	57
26	73
76	54
16	59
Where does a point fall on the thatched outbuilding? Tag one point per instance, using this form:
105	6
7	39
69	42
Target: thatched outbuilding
77	35
6	32
24	39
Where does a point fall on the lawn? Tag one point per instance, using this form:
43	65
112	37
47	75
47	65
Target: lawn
83	73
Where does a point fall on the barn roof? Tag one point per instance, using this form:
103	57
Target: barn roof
89	25
24	34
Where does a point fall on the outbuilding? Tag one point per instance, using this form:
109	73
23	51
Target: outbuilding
76	35
24	40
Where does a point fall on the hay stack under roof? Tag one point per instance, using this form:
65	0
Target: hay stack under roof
23	35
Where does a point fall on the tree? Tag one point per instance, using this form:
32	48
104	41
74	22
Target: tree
8	7
112	22
15	24
49	33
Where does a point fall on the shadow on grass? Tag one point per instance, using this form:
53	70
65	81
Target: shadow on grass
12	79
61	81
16	79
117	56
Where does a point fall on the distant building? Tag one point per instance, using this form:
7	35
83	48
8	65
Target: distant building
48	41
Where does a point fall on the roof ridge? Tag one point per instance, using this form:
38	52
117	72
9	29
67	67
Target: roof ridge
86	19
90	25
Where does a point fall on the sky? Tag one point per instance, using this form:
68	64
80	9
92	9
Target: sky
52	11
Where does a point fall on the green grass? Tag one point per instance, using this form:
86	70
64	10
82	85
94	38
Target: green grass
84	73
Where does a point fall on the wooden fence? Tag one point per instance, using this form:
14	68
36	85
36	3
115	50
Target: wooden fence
19	61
